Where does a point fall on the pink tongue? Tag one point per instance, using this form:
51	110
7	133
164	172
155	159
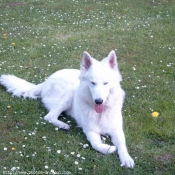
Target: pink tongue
99	108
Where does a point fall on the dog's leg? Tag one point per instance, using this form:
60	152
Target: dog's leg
95	140
55	111
52	117
118	139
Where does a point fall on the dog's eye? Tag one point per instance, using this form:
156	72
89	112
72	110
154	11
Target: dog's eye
93	83
105	83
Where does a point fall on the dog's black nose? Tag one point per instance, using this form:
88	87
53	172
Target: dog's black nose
99	101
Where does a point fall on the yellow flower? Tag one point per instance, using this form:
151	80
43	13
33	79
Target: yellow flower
8	107
13	44
13	149
4	36
155	114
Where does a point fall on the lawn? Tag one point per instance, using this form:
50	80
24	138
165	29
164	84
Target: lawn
39	37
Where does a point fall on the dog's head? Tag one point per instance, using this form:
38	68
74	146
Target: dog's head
100	77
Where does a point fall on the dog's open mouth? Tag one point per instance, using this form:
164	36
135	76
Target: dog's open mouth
99	108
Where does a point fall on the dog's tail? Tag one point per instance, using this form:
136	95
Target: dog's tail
20	87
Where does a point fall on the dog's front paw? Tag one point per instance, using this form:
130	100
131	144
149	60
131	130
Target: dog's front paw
126	160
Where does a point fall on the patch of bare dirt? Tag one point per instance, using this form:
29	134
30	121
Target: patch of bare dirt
12	4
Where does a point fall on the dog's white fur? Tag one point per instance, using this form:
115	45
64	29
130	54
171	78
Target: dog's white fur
92	96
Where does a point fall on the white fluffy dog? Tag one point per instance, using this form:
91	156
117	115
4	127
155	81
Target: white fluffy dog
91	95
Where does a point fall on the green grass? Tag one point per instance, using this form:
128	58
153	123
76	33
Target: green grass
51	35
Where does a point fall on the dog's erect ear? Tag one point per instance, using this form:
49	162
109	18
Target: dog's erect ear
112	59
86	61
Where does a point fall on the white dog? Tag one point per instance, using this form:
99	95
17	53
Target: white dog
92	96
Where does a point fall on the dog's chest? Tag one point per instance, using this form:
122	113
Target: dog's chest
102	123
